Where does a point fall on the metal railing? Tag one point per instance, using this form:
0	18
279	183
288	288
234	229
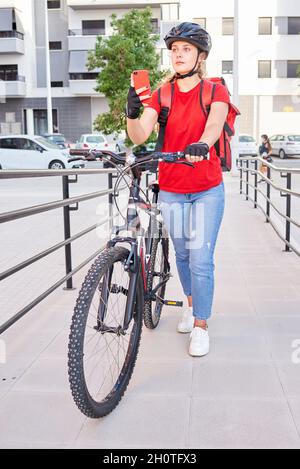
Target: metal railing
67	203
249	167
11	34
12	76
87	32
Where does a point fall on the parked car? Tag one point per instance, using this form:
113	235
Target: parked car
284	145
34	152
118	140
58	139
247	145
95	142
144	149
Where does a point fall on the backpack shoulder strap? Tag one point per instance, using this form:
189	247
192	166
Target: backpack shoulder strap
165	98
207	92
165	95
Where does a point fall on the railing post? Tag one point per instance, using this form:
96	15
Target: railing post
247	179
240	162
255	183
110	201
67	232
288	213
268	194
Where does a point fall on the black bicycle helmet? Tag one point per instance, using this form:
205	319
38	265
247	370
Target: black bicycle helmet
189	32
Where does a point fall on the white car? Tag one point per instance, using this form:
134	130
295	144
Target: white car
34	152
284	145
96	142
247	145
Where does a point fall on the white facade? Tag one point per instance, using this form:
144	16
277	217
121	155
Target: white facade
260	113
268	105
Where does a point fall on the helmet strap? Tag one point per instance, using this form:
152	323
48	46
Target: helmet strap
191	73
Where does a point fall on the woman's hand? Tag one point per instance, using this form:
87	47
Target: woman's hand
196	152
134	101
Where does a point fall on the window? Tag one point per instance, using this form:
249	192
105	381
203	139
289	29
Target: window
294	25
53	4
227	26
93	27
83	76
265	26
294	138
227	66
95	139
246	138
154	24
26	144
8	72
170	12
293	68
264	69
55	45
8	143
57	84
200	21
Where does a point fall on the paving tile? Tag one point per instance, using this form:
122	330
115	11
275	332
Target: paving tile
46	374
238	424
294	404
233	379
149	420
39	417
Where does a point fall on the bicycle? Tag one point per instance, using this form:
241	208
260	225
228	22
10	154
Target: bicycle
122	289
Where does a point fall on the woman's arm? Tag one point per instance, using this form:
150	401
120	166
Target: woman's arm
215	123
139	130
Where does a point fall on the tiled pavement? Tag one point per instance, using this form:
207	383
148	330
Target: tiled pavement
245	393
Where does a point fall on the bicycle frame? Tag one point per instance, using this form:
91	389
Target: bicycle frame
140	250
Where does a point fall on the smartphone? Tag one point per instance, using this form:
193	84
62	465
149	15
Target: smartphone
141	79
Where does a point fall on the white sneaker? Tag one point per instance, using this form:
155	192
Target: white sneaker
199	342
186	323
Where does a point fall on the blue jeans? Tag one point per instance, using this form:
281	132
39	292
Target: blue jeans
193	221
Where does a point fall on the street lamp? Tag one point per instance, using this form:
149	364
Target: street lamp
235	140
48	72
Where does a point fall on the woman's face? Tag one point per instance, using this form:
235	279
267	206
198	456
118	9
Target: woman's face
183	56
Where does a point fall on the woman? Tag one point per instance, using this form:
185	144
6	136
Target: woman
191	199
265	151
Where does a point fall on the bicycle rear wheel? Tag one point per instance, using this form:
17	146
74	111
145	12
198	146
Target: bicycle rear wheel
158	268
102	353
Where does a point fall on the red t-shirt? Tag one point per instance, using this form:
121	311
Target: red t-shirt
186	123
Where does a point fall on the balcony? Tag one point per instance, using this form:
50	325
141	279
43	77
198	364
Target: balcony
83	84
11	42
79	39
12	86
109	4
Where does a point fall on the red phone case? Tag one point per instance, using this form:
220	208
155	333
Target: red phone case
141	79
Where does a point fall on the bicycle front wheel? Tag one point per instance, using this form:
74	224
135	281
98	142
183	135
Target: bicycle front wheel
102	352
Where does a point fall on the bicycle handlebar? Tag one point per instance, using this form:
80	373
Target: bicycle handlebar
168	157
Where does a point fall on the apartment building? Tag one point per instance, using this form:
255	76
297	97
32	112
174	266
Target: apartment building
73	28
269	57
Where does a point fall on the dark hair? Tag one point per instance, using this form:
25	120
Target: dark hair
265	137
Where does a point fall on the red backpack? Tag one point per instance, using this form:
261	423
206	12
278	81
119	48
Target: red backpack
207	91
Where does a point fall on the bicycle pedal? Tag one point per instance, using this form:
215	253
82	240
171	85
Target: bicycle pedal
173	303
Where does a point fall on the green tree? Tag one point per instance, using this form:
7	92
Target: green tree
132	46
